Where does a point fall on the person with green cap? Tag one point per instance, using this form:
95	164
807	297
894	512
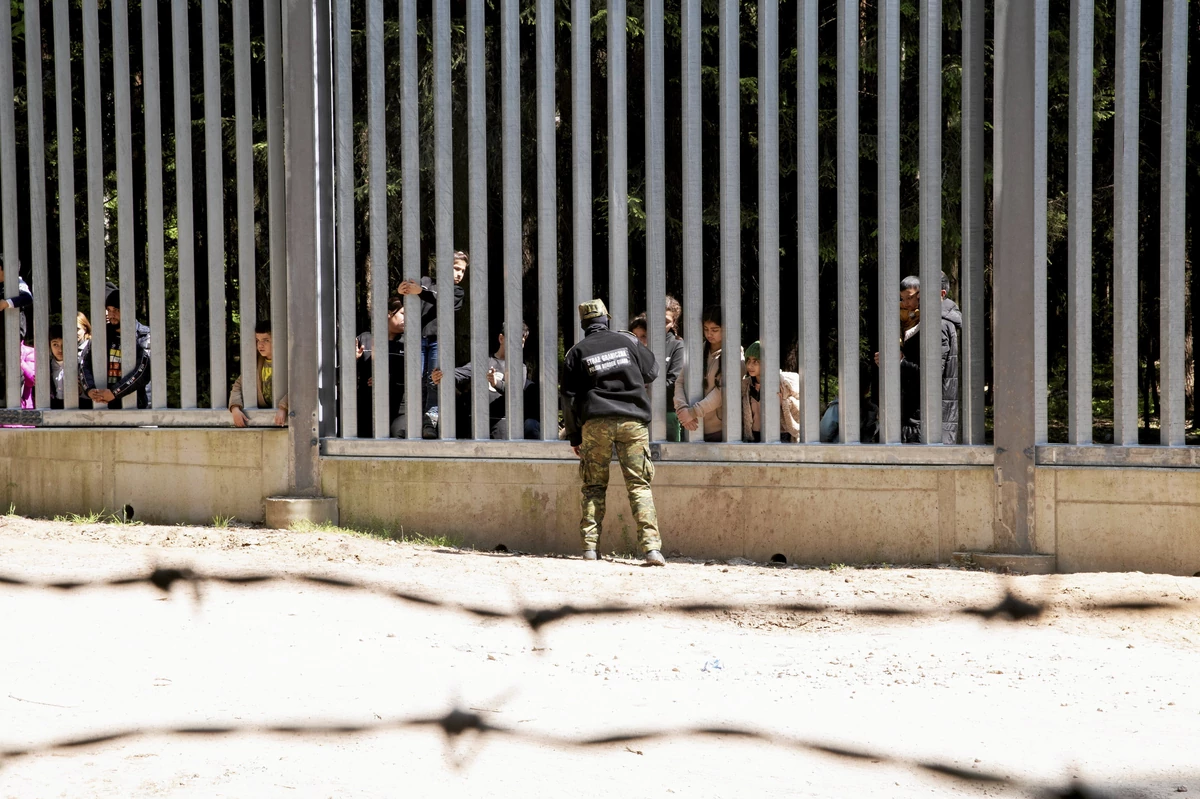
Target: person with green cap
606	404
789	399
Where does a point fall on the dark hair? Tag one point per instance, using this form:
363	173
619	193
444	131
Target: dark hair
395	303
945	283
262	326
638	321
676	312
792	362
524	330
910	282
55	332
460	255
712	313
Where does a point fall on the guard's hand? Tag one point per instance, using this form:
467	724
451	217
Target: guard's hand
281	417
240	419
436	377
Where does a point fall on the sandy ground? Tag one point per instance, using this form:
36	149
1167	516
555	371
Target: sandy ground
1112	698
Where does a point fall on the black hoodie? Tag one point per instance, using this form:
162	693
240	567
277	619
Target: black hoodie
606	375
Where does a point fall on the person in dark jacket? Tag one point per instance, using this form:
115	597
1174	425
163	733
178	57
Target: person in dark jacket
673	358
604	381
427	290
498	376
118	385
365	351
21	302
910	364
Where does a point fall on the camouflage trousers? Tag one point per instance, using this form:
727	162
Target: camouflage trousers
632	441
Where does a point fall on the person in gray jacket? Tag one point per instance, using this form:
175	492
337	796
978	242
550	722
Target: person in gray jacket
910	365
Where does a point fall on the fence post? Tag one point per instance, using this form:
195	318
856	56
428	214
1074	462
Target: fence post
1019	275
303	116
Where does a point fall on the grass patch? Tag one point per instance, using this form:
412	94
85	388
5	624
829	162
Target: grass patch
222	522
380	532
103	516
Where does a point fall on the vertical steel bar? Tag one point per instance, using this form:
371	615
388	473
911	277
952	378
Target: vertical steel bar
729	91
126	207
847	193
768	214
1022	32
276	197
155	271
37	199
656	212
410	201
344	132
65	148
510	110
377	200
95	179
1172	327
971	279
303	242
693	196
478	216
1041	149
581	151
808	229
244	141
1079	225
185	222
889	218
443	215
215	203
930	205
326	332
8	215
618	167
1125	224
547	232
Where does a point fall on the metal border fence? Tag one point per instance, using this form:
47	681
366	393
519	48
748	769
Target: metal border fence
301	203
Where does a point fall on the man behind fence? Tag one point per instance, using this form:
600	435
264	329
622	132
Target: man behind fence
604	386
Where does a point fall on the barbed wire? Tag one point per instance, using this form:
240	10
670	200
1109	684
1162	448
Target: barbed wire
1009	608
457	723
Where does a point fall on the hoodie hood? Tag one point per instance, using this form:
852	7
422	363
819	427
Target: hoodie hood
951	312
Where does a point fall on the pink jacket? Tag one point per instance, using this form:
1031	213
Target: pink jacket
28	372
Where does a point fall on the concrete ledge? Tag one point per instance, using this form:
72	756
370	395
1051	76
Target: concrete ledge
1107	455
1001	562
283	512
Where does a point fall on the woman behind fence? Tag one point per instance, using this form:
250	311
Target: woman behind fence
789	399
708	407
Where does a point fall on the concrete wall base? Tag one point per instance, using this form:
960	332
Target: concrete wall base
283	512
1087	518
168	476
815	514
1012	564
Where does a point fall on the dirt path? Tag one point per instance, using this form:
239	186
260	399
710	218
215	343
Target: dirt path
1110	698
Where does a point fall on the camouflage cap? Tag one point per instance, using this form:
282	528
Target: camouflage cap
592	309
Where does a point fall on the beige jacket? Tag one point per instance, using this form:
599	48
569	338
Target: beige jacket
709	407
789	407
237	395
